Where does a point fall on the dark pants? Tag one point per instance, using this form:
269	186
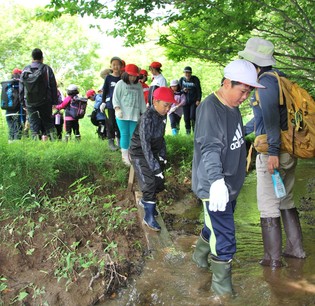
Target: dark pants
175	121
15	123
219	230
190	115
59	127
111	125
72	125
149	184
101	129
41	120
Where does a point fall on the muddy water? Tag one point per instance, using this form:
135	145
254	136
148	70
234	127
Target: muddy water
170	277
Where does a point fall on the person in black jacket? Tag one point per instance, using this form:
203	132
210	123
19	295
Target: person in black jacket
190	85
148	152
39	101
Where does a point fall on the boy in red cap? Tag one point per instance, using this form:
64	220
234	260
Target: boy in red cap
148	152
158	79
11	102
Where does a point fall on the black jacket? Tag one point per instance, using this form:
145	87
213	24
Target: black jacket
148	139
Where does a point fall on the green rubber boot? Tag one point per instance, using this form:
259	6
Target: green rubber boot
201	253
222	277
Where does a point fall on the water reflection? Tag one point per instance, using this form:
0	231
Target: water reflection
172	279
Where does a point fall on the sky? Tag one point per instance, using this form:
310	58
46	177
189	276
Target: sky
116	44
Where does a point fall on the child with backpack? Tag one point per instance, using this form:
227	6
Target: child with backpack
10	102
176	112
100	116
71	123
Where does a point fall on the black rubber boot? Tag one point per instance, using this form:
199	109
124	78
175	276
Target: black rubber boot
112	145
149	219
272	239
201	253
222	277
292	228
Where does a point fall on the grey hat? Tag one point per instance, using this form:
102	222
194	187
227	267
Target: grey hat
259	51
174	83
117	58
187	69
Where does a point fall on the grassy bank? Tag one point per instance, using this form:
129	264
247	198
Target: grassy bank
67	227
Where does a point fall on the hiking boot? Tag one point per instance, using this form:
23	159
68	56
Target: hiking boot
112	145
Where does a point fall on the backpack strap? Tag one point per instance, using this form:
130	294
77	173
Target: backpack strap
276	75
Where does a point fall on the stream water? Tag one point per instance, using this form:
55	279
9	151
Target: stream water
171	278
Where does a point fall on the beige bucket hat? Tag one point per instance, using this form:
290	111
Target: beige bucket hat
259	51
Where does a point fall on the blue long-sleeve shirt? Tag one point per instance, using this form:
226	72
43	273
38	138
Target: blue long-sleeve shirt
270	116
97	104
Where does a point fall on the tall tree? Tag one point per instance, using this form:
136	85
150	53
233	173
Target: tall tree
66	46
212	30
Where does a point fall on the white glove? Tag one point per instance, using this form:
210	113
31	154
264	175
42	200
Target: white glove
173	109
161	159
219	196
102	107
118	113
160	175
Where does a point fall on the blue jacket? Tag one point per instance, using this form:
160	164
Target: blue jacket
98	101
270	117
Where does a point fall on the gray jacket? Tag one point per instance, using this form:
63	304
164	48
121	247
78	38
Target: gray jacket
219	148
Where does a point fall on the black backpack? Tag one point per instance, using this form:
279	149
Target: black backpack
93	117
77	107
35	84
10	95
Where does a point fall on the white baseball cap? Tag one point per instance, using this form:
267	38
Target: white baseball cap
174	83
242	71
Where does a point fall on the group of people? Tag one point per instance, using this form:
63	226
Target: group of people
125	96
136	116
219	164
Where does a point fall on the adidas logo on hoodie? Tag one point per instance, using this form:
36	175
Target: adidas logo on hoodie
238	139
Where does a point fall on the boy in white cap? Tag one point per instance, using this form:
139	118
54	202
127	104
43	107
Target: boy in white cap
270	119
148	152
218	170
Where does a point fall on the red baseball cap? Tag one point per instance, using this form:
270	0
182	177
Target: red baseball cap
16	71
164	94
156	65
90	93
132	69
144	72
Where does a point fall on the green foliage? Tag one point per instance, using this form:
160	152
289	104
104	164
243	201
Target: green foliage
213	30
65	43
